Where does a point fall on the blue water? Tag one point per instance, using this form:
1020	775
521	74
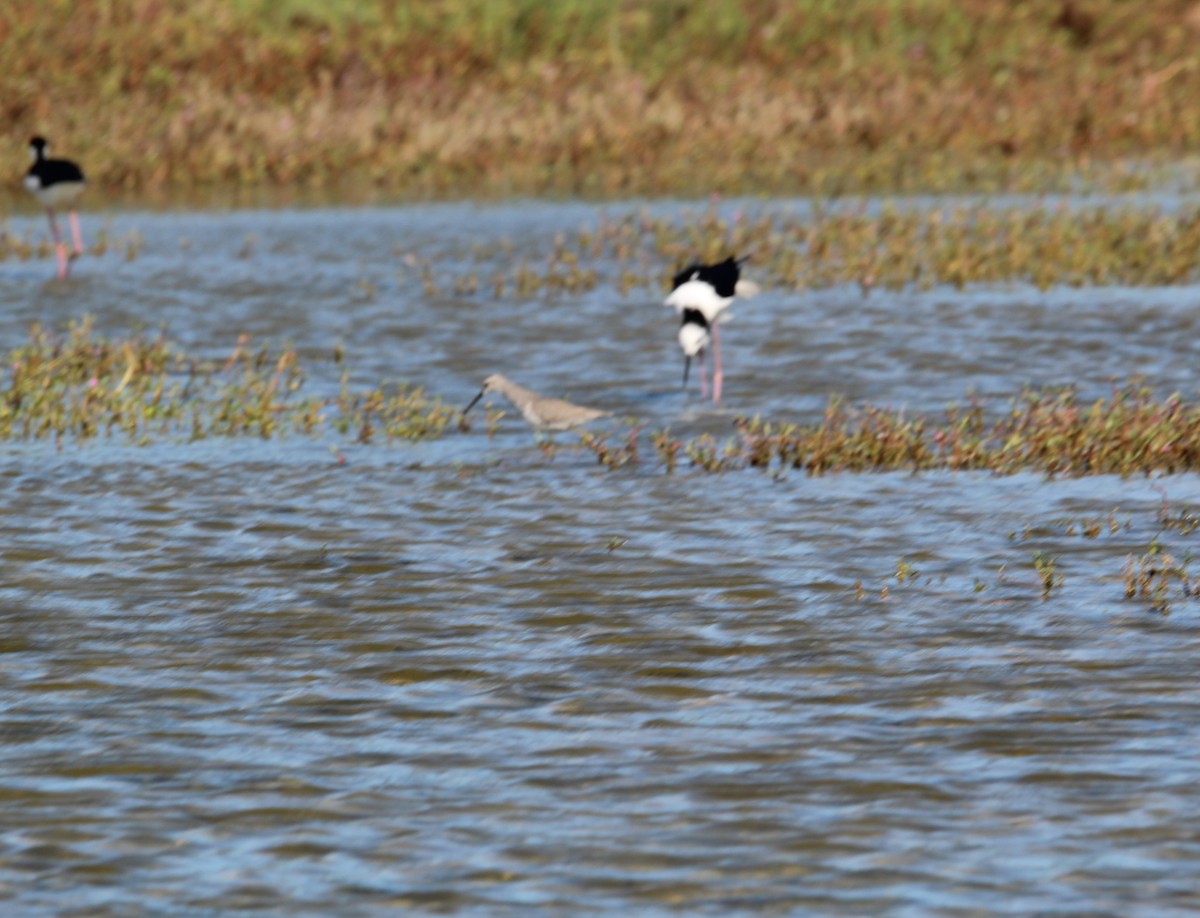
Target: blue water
306	676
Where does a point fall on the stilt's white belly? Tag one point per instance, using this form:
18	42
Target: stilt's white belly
60	194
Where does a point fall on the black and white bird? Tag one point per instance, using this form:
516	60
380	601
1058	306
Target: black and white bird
57	184
701	296
694	338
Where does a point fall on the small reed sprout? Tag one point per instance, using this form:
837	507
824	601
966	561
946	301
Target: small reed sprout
1158	576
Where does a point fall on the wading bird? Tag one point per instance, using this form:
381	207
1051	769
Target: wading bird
694	338
701	295
57	184
541	412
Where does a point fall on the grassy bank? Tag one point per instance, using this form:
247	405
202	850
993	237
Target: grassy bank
460	98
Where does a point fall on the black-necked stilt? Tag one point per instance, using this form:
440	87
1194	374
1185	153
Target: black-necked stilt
701	295
56	183
541	412
694	337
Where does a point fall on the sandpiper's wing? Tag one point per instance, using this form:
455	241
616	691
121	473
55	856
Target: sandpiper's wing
554	412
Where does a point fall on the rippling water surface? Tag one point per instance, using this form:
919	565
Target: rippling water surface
469	677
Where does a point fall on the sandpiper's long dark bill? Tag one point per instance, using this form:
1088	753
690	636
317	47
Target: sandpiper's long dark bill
475	400
701	295
540	412
56	183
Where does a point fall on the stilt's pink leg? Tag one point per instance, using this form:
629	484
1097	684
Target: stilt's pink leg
60	250
75	234
718	376
703	377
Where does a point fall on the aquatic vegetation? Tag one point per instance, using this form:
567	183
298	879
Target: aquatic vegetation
907	246
616	542
705	453
1046	566
397	413
1093	527
98	242
1151	575
1182	521
905	571
1160	577
1130	432
613	455
667	448
507	97
1155	574
896	247
77	385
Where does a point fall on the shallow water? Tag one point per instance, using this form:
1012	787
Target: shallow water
468	677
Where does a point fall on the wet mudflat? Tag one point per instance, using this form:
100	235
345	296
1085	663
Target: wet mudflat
309	676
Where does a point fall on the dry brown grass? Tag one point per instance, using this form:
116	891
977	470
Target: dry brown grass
458	98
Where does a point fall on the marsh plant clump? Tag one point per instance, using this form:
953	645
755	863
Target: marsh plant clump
78	385
613	455
1046	567
1129	432
467	97
896	246
30	246
75	386
899	246
1159	577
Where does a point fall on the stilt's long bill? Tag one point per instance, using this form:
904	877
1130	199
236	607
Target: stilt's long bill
540	412
701	296
57	184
